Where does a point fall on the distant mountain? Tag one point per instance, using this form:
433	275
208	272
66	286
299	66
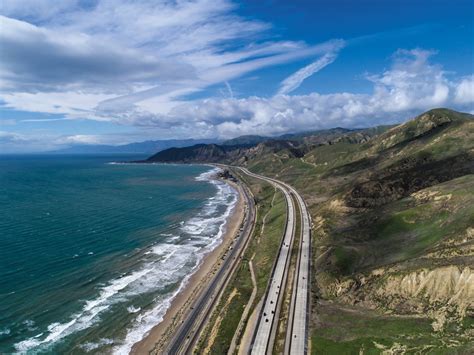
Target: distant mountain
146	147
315	137
324	133
209	153
240	149
246	140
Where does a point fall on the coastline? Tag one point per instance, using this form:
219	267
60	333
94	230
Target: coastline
160	334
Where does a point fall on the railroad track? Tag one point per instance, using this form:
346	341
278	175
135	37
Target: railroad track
263	340
188	333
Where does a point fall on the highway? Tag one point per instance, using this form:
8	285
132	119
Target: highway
268	321
188	333
297	329
263	340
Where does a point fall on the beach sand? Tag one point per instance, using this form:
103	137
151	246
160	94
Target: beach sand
161	334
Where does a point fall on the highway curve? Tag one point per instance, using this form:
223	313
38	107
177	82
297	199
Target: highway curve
297	330
264	337
268	321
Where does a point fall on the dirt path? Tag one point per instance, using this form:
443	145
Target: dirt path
248	330
307	162
237	334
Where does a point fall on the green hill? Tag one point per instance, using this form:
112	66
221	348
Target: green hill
393	230
393	235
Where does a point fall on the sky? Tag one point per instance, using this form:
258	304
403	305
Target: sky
119	71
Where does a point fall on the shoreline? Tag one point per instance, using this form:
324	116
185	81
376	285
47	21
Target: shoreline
161	334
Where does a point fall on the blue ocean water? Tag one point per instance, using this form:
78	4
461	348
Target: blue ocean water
92	253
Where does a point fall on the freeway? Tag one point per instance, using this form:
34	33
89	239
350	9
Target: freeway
297	329
269	316
263	340
188	333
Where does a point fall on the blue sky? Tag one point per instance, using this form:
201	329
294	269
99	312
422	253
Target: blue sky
114	72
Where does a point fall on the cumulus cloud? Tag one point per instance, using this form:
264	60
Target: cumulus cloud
465	91
411	85
90	60
97	51
36	59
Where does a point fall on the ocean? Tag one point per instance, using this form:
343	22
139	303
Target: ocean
92	253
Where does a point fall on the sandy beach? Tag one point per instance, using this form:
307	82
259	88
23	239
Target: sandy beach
160	335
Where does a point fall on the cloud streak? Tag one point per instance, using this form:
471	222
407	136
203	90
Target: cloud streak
294	81
411	85
92	62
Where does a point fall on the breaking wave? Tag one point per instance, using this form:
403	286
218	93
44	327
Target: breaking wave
169	265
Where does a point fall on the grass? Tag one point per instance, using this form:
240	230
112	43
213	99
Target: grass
406	233
400	231
264	249
365	331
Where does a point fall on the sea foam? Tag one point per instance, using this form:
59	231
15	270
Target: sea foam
171	263
206	231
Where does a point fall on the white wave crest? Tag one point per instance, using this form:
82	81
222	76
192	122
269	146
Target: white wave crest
87	347
173	263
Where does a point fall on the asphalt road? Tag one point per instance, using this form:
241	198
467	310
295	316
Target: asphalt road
297	330
268	321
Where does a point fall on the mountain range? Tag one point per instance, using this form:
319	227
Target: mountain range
146	147
154	146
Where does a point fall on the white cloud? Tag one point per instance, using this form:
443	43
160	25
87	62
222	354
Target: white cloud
12	142
41	141
295	80
36	59
79	139
71	103
11	137
36	9
465	91
411	85
94	62
166	94
7	122
176	48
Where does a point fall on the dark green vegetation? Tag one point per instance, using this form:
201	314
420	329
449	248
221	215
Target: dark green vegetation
393	231
262	251
245	147
372	333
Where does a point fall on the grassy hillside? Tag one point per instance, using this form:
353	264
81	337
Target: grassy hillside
393	236
393	232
